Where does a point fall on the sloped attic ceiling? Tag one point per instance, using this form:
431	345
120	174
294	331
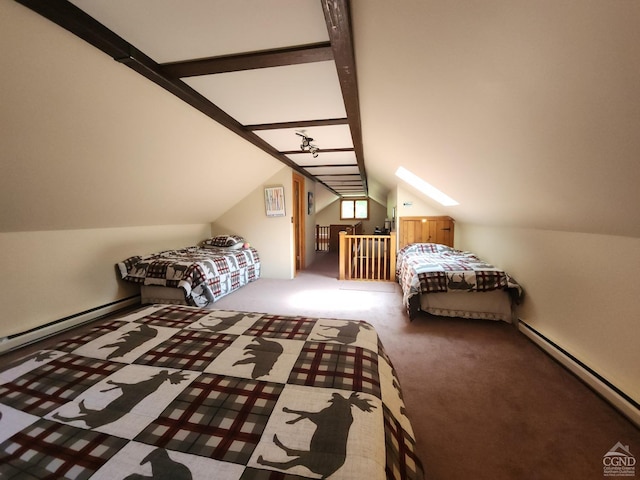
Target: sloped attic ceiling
276	73
526	113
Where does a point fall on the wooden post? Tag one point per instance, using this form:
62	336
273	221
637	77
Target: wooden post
342	253
392	254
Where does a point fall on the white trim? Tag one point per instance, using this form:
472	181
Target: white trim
604	390
31	336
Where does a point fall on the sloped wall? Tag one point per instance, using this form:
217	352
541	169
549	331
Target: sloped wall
50	275
97	164
581	292
89	143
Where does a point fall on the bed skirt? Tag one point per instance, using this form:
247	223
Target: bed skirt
493	305
150	294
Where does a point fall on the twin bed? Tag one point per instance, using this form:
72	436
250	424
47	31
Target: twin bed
197	275
441	280
180	392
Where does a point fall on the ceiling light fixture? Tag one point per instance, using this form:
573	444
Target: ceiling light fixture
306	145
426	188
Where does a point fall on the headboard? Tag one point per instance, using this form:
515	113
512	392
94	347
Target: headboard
425	230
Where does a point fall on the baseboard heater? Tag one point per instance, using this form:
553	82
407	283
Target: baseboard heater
616	397
38	333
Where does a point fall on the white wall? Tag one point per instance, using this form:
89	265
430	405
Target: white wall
310	221
271	236
411	204
324	197
89	143
581	292
50	275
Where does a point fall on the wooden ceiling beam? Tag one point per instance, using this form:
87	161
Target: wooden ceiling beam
338	20
332	166
329	165
76	21
299	124
316	52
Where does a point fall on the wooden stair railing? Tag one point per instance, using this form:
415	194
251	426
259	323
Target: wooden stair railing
367	257
322	238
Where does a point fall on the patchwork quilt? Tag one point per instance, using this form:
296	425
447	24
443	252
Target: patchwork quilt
431	267
205	274
181	392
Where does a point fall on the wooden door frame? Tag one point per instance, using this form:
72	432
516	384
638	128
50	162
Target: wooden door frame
299	234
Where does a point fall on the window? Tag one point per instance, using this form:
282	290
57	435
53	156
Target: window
356	209
426	188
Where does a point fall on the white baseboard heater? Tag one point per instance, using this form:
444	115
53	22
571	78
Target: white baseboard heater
620	400
24	338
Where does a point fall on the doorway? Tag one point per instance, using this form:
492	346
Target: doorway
298	222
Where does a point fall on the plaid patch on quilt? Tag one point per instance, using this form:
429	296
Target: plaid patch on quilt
199	393
205	274
431	268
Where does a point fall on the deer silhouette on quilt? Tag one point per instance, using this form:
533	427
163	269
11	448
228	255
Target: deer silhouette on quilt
328	448
347	333
132	394
37	357
162	468
461	284
129	341
263	354
224	323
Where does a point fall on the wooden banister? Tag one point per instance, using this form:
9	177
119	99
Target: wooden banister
367	257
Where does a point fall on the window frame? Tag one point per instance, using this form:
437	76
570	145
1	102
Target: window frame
354	200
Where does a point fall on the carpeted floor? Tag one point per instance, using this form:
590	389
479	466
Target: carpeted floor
485	402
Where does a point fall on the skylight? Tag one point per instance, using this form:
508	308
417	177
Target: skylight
426	188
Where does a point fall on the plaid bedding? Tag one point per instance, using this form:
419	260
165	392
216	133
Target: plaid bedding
205	274
431	267
195	393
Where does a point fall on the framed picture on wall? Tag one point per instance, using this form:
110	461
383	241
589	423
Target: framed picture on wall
393	218
274	201
310	203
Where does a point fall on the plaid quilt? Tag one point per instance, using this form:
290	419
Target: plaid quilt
186	393
205	274
430	267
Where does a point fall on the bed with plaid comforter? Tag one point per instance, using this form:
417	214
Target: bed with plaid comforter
204	273
195	393
423	268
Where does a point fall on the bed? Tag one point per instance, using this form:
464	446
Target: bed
199	393
196	275
441	280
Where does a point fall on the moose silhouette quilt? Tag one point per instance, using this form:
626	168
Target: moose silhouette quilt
180	392
205	274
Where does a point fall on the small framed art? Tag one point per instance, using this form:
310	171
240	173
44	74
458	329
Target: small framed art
274	201
309	203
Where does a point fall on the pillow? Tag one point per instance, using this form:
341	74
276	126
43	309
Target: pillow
426	248
225	241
